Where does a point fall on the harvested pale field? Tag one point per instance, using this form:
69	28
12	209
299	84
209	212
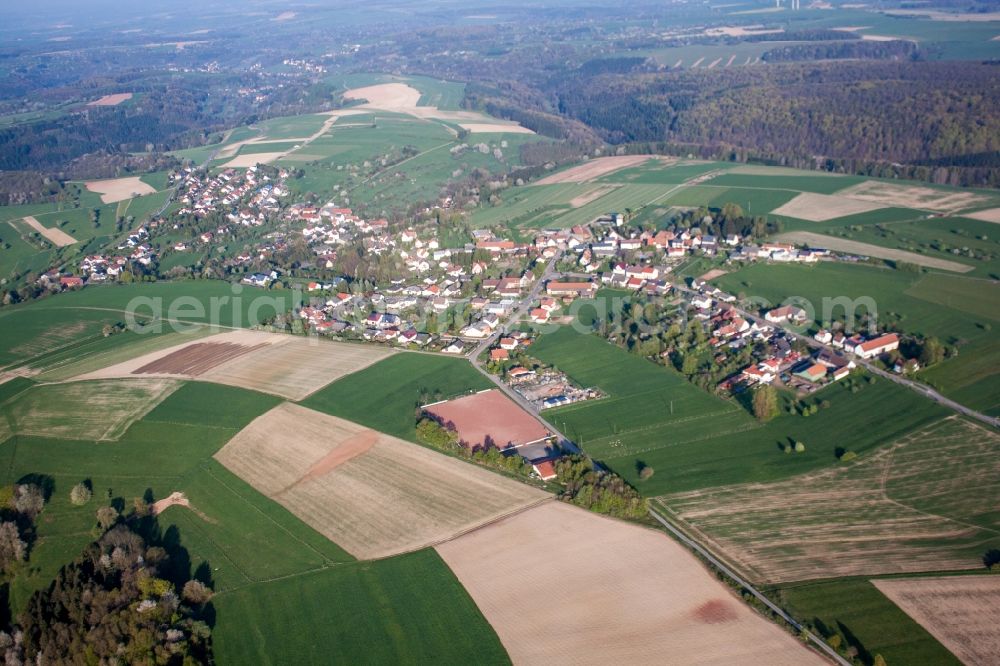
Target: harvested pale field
869	250
57	237
988	215
822	207
403	98
913	196
962	612
487	128
295	367
597	167
924	503
119	189
233	148
372	494
489	416
284	365
91	410
562	585
111	100
742	31
253	159
386	95
591	195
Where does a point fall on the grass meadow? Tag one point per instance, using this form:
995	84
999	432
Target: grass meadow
384	396
957	310
283	591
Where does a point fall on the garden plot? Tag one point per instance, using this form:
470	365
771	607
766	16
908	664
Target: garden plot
87	410
822	207
925	503
962	612
372	494
562	585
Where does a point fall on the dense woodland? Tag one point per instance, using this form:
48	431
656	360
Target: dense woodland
912	113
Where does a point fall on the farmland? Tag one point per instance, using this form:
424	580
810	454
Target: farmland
366	398
489	416
291	367
692	440
866	618
961	612
263	563
648	595
920	504
956	310
372	494
97	410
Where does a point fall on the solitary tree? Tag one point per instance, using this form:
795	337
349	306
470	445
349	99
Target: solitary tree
80	494
765	403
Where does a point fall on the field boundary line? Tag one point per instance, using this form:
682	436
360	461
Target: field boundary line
284	529
712	559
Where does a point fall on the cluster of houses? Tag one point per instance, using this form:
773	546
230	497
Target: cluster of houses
783	252
100	267
248	194
542	388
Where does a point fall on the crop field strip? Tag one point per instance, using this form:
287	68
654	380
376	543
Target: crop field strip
960	611
922	504
372	494
91	410
647	595
867	249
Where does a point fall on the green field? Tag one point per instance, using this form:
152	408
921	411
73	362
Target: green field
283	591
404	610
867	619
820	184
385	395
706	441
965	240
958	311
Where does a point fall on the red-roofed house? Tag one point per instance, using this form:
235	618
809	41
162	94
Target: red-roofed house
878	346
499	355
545	470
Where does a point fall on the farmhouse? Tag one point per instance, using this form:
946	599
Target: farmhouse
788	313
878	346
585	289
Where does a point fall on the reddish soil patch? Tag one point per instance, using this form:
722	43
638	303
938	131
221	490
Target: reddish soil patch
111	100
715	611
489	416
174	499
196	359
350	448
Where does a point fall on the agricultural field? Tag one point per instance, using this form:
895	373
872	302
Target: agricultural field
406	609
869	250
489	416
372	494
273	575
924	503
824	207
960	611
956	310
869	621
646	593
960	239
287	366
389	407
96	410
